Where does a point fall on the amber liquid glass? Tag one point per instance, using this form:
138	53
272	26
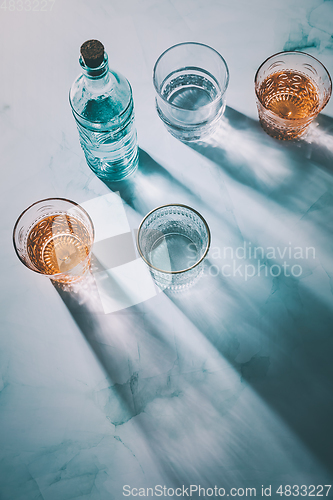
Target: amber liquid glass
53	237
291	89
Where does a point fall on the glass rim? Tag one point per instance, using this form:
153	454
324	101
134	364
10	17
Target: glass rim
182	270
36	203
221	91
294	52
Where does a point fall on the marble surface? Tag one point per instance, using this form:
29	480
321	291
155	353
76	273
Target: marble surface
227	385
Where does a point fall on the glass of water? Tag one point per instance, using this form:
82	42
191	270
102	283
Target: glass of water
173	240
54	237
190	80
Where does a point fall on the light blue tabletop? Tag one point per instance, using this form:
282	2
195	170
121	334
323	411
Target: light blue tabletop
118	387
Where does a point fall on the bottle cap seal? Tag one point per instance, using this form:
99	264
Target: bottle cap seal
92	52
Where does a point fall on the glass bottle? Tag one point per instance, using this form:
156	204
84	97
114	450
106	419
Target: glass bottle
102	105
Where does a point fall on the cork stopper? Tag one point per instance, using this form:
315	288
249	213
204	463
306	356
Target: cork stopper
92	52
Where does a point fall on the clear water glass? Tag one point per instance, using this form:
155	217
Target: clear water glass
190	80
53	237
173	240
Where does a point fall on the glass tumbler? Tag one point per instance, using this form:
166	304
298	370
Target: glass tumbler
291	89
190	80
54	237
173	240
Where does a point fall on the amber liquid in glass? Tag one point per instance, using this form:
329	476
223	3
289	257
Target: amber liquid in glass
57	244
290	95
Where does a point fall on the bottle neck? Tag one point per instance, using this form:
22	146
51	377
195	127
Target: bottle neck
96	78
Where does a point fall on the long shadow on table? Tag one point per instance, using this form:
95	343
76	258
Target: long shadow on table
295	322
299	346
152	185
291	370
112	339
299	390
287	172
139	357
239	138
294	175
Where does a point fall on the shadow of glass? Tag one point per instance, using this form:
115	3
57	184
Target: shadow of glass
151	363
278	160
291	368
141	361
289	173
229	314
114	340
151	185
